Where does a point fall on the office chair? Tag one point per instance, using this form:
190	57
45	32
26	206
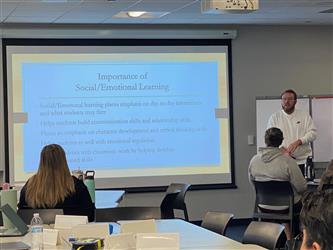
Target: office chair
265	234
47	215
217	221
327	186
174	199
126	213
274	193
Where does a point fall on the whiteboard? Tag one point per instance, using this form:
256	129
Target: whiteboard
266	106
322	114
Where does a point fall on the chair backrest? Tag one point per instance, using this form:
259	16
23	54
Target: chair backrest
217	221
265	234
181	189
327	186
47	215
126	213
174	199
274	193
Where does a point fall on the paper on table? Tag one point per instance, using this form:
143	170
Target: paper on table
94	230
139	226
157	241
124	241
51	236
69	221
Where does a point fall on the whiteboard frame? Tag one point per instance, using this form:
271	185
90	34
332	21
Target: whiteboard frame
323	145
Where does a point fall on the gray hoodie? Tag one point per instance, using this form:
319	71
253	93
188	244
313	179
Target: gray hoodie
270	164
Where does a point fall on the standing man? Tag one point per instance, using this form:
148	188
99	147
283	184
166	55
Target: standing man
297	127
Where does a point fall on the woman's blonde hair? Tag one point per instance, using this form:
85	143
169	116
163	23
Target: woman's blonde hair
53	181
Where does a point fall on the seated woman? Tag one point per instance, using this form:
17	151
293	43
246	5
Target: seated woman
326	180
53	186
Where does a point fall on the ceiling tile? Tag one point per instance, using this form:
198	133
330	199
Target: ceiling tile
181	12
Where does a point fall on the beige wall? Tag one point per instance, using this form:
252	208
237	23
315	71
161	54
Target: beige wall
266	60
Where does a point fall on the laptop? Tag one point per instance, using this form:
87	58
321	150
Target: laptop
20	228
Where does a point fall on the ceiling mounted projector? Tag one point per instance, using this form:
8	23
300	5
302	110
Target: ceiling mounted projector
229	6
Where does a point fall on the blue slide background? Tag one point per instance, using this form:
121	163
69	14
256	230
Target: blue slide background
60	112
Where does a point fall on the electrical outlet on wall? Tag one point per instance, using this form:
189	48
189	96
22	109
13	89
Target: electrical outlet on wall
251	139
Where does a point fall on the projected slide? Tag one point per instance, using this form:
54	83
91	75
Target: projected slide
137	116
122	115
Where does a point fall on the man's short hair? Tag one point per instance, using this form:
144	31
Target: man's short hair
273	137
317	218
289	91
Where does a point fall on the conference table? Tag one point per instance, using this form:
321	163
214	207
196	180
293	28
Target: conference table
195	237
192	237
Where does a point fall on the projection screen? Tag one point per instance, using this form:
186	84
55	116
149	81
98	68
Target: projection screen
139	115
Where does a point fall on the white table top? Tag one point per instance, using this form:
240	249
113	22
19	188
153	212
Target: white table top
192	237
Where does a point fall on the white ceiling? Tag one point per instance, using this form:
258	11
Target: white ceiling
180	12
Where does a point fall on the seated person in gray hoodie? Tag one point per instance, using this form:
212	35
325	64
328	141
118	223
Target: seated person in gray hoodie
271	164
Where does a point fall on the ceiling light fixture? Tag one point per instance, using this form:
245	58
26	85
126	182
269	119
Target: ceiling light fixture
54	1
229	6
136	14
140	14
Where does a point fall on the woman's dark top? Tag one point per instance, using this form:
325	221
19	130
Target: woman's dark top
78	203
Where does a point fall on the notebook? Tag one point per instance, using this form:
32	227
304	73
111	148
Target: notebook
20	227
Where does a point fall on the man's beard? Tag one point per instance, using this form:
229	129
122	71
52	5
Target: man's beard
288	110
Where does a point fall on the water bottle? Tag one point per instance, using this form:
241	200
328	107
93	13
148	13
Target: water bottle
90	183
309	169
37	232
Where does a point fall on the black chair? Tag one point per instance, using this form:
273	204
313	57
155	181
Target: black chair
327	186
217	221
274	193
47	215
126	213
174	199
265	234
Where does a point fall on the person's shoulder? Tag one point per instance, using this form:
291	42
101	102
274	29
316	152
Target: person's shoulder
75	179
277	114
284	160
77	182
257	155
30	180
290	162
255	160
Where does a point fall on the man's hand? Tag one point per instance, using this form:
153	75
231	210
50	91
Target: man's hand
292	147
